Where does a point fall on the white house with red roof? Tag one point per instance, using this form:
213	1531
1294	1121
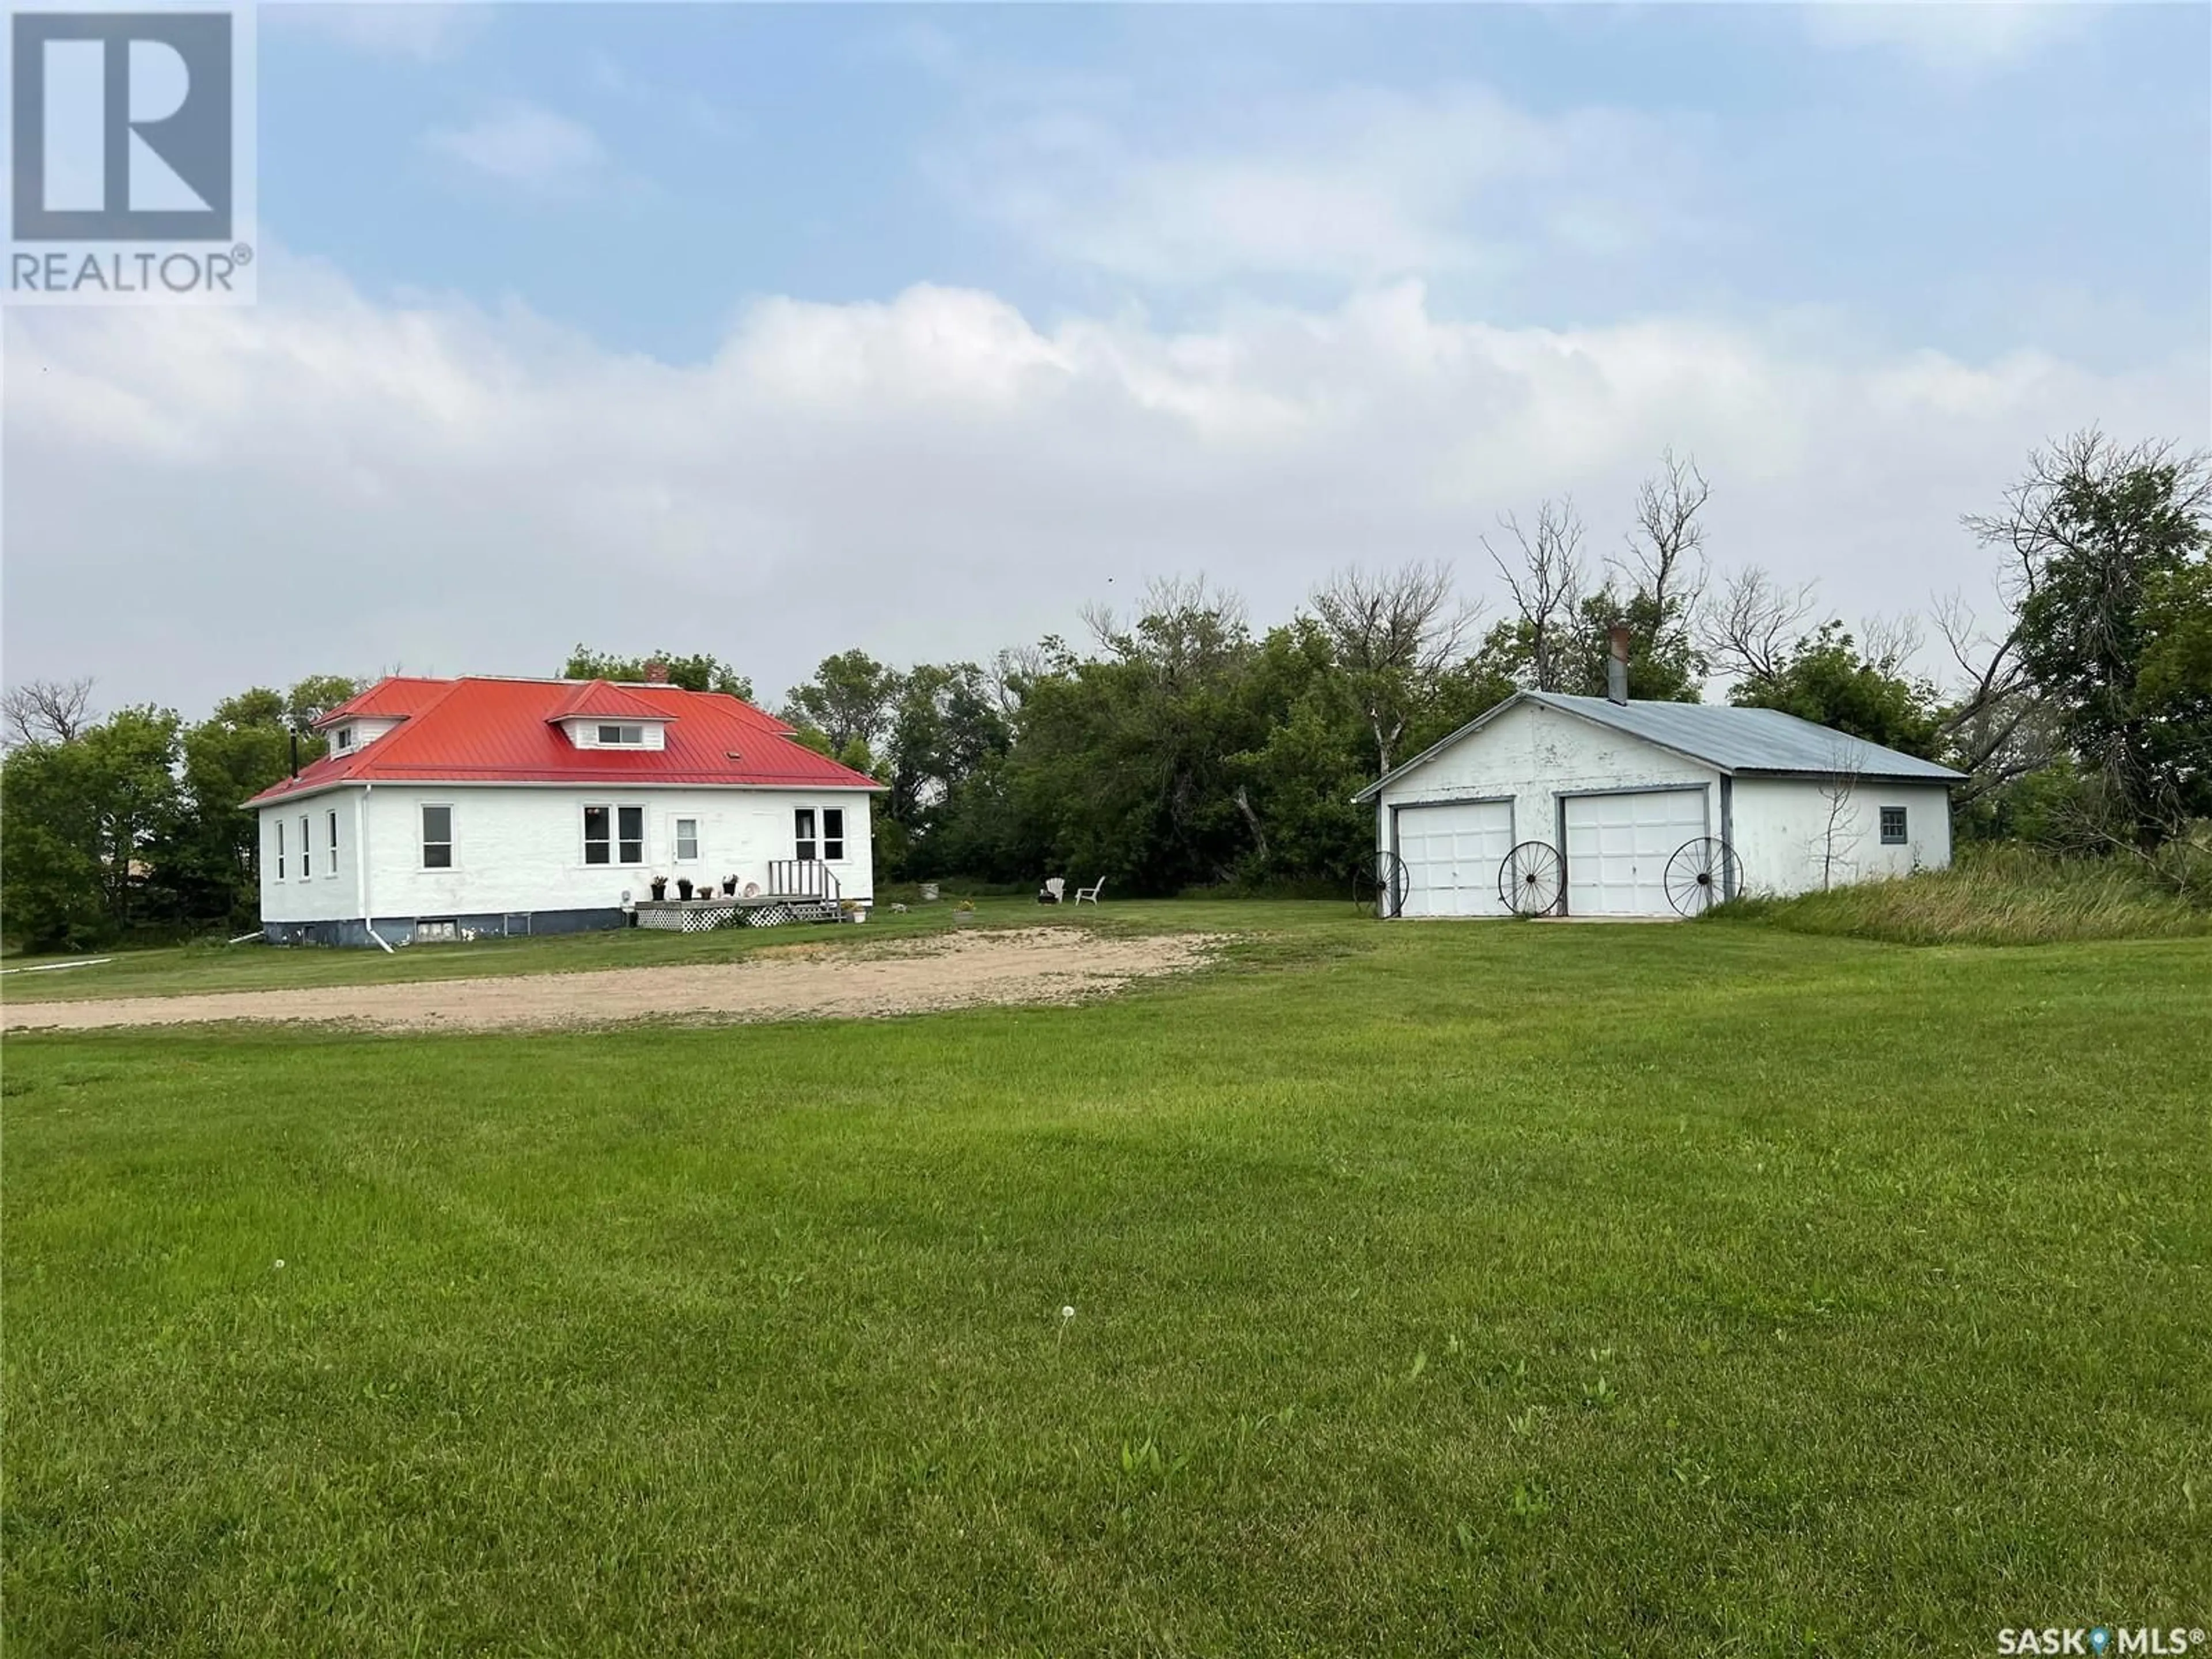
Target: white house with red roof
447	807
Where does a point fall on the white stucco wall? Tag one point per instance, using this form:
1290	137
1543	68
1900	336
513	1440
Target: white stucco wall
1782	832
331	890
1535	754
519	848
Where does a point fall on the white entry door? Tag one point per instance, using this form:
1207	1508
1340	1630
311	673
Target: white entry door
1617	846
1452	853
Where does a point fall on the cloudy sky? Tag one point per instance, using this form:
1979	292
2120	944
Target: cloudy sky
771	331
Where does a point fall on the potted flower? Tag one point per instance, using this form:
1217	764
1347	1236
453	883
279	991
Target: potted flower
684	887
964	912
729	886
660	889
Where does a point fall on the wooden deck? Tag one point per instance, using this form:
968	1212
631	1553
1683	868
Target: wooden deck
699	915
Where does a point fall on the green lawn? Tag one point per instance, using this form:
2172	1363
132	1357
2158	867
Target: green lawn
1438	1289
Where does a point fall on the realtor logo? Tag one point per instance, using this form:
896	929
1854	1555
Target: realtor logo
129	127
122	127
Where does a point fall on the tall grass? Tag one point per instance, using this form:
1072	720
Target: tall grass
1992	896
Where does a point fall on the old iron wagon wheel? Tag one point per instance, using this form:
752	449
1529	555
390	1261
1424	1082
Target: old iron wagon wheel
1702	873
1383	884
1532	878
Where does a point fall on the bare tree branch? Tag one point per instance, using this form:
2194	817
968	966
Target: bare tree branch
1667	544
1748	627
1546	582
1837	844
2039	518
1890	642
47	711
1393	632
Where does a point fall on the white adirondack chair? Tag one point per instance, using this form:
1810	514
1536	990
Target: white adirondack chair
1091	892
1057	886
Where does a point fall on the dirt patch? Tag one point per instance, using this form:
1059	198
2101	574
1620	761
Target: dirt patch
1030	965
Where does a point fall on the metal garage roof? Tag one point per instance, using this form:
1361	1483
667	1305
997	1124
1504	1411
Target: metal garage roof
1748	739
1734	740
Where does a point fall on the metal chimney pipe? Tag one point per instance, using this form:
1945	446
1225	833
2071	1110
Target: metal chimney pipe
296	751
1616	663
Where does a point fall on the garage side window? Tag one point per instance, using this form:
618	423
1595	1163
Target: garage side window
1893	826
437	838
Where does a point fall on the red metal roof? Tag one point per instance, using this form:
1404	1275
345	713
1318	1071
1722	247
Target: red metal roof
396	696
598	700
473	731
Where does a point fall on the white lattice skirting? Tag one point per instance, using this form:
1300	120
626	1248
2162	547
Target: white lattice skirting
691	919
694	918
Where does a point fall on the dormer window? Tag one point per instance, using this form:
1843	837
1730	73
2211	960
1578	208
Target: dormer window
602	716
357	731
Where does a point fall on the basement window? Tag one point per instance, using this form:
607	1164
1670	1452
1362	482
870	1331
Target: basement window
443	927
1893	826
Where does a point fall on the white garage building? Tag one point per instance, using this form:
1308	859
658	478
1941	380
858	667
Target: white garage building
1608	808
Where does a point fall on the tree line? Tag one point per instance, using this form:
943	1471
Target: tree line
1181	745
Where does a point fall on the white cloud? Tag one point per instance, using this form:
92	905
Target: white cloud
1359	185
1964	38
524	146
200	500
705	117
426	30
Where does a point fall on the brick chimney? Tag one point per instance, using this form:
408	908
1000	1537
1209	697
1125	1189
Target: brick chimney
1617	639
656	673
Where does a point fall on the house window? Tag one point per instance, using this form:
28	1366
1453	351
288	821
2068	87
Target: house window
614	835
687	840
619	737
802	835
280	849
1893	826
437	838
333	870
343	738
833	833
306	850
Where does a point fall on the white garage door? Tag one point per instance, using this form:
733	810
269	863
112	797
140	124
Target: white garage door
1617	846
1452	853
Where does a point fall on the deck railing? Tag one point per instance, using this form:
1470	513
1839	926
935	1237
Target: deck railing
802	878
